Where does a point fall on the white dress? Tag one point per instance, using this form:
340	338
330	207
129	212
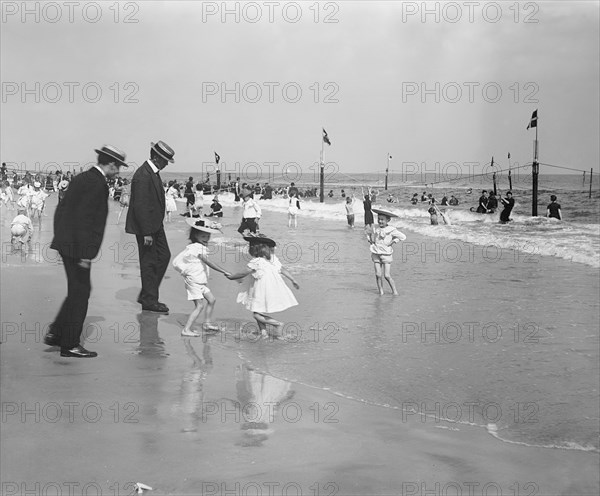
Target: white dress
268	292
170	196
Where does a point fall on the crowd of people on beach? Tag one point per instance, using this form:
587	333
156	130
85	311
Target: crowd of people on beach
80	220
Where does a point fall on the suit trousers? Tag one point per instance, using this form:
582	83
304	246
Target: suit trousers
154	260
68	324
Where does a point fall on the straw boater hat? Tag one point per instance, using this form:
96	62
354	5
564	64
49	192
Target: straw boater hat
246	192
259	238
114	153
204	225
382	211
164	150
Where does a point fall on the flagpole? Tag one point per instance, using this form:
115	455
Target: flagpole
387	170
535	172
494	178
509	178
322	174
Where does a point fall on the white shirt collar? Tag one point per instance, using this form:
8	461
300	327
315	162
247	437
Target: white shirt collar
152	166
100	169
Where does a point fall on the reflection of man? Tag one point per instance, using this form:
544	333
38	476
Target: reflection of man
145	220
79	223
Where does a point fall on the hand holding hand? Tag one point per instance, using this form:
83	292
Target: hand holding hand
148	240
85	263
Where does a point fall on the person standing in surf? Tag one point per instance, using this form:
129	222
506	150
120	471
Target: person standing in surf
553	210
382	240
509	203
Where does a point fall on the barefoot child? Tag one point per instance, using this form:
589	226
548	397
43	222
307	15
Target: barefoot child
268	291
192	263
382	240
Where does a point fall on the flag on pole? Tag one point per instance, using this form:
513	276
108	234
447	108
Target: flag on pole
492	161
217	158
390	157
533	121
326	138
509	155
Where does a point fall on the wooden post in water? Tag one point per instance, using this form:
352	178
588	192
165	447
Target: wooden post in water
509	178
387	170
591	172
583	178
535	173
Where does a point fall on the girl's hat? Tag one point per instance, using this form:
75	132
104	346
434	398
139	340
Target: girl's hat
203	225
259	238
37	184
381	211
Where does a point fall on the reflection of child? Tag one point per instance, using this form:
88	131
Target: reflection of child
21	229
382	240
192	263
267	292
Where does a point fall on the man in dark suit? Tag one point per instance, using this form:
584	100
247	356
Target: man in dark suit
145	220
79	222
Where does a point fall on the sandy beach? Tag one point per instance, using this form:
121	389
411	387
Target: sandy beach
232	414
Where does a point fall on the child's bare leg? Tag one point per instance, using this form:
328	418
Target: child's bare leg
198	306
388	277
378	277
266	320
210	306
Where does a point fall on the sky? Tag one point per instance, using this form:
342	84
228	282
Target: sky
436	85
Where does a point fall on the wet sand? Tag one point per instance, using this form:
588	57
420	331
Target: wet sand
188	416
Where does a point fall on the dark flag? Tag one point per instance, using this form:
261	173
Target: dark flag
217	158
326	138
492	161
533	121
509	155
390	157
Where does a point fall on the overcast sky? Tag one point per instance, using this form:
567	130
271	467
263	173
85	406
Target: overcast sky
366	68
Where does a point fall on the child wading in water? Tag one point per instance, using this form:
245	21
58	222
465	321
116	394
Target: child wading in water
192	263
268	291
382	240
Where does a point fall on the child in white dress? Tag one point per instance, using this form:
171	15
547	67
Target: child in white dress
192	263
170	194
267	292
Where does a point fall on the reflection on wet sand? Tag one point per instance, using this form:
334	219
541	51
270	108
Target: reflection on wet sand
151	345
191	391
259	399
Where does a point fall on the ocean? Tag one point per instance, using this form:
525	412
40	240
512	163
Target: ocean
497	326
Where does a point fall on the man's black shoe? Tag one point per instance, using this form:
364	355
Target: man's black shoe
52	339
156	308
77	352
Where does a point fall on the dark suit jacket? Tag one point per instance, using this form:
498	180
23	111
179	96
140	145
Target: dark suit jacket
80	217
146	203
